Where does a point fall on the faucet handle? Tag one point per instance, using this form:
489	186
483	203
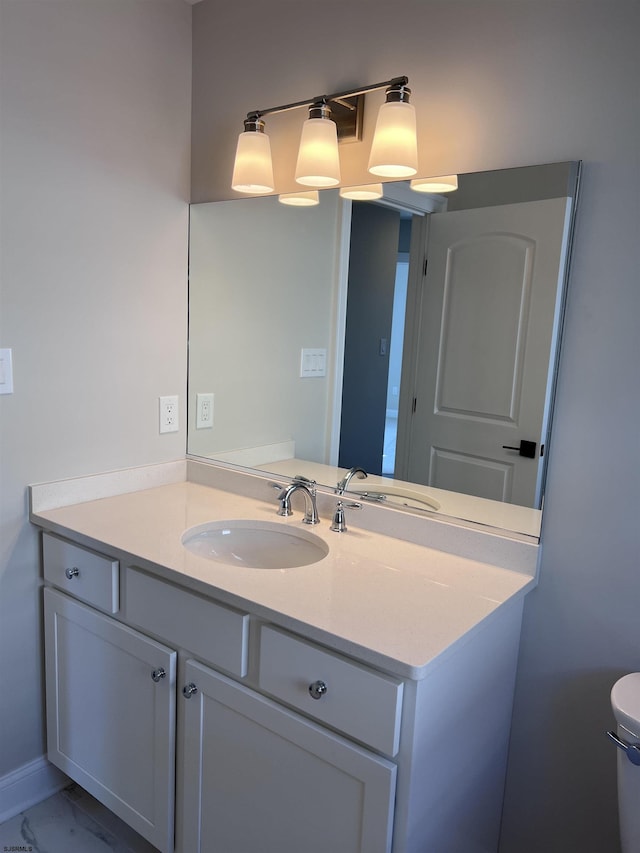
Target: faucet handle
338	525
283	498
285	504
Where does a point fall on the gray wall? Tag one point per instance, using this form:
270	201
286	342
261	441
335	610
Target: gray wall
94	147
501	84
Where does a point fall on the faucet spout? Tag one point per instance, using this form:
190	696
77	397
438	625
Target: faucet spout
309	492
360	473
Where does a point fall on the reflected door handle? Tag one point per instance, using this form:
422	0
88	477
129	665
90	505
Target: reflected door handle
525	448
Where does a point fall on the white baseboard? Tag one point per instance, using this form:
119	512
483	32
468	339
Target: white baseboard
28	785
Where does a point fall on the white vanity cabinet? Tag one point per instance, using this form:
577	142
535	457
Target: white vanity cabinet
281	743
111	713
253	773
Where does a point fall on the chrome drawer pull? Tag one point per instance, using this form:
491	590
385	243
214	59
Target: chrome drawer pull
631	749
157	674
189	689
317	689
72	573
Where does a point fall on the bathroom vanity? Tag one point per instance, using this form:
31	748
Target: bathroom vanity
361	703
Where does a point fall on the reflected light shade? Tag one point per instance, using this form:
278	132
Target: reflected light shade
253	171
394	151
301	199
366	192
441	184
318	162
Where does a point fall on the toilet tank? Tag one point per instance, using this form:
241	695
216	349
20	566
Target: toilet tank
625	702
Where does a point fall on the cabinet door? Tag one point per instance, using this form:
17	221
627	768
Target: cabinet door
111	714
257	777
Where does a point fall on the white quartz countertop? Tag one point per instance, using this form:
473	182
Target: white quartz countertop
396	605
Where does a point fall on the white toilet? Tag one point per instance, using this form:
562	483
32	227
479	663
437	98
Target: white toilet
625	701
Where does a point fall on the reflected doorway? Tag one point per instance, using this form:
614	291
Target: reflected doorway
395	361
374	334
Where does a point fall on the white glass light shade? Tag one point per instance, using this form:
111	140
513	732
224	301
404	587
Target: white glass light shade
394	151
302	199
366	192
253	171
441	184
318	163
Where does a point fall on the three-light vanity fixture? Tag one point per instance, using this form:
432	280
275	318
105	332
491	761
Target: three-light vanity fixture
394	151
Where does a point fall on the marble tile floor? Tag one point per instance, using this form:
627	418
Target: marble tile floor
71	821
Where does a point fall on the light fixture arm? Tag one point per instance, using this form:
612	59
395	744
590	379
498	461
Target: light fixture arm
397	85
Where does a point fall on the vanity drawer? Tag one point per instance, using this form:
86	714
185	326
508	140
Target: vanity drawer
86	575
213	632
358	701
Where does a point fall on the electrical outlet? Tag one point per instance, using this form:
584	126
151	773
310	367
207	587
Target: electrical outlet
169	414
204	411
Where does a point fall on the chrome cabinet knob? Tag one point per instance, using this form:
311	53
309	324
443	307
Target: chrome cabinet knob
72	573
317	689
159	673
189	689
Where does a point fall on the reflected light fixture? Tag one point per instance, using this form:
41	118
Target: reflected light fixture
366	192
394	151
441	184
301	199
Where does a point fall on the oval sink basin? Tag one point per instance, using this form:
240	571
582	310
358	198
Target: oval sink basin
255	544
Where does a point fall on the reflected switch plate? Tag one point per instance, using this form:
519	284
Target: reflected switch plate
6	372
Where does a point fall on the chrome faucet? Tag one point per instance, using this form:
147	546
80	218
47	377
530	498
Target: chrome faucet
308	489
360	473
339	525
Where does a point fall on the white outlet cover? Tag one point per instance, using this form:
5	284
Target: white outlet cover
169	421
204	411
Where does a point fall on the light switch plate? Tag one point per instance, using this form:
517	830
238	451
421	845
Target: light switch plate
313	362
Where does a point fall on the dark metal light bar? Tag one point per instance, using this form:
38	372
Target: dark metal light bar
336	96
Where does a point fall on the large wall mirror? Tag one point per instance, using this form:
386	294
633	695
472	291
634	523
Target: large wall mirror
415	336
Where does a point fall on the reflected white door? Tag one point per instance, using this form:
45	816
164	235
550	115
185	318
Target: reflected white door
488	329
